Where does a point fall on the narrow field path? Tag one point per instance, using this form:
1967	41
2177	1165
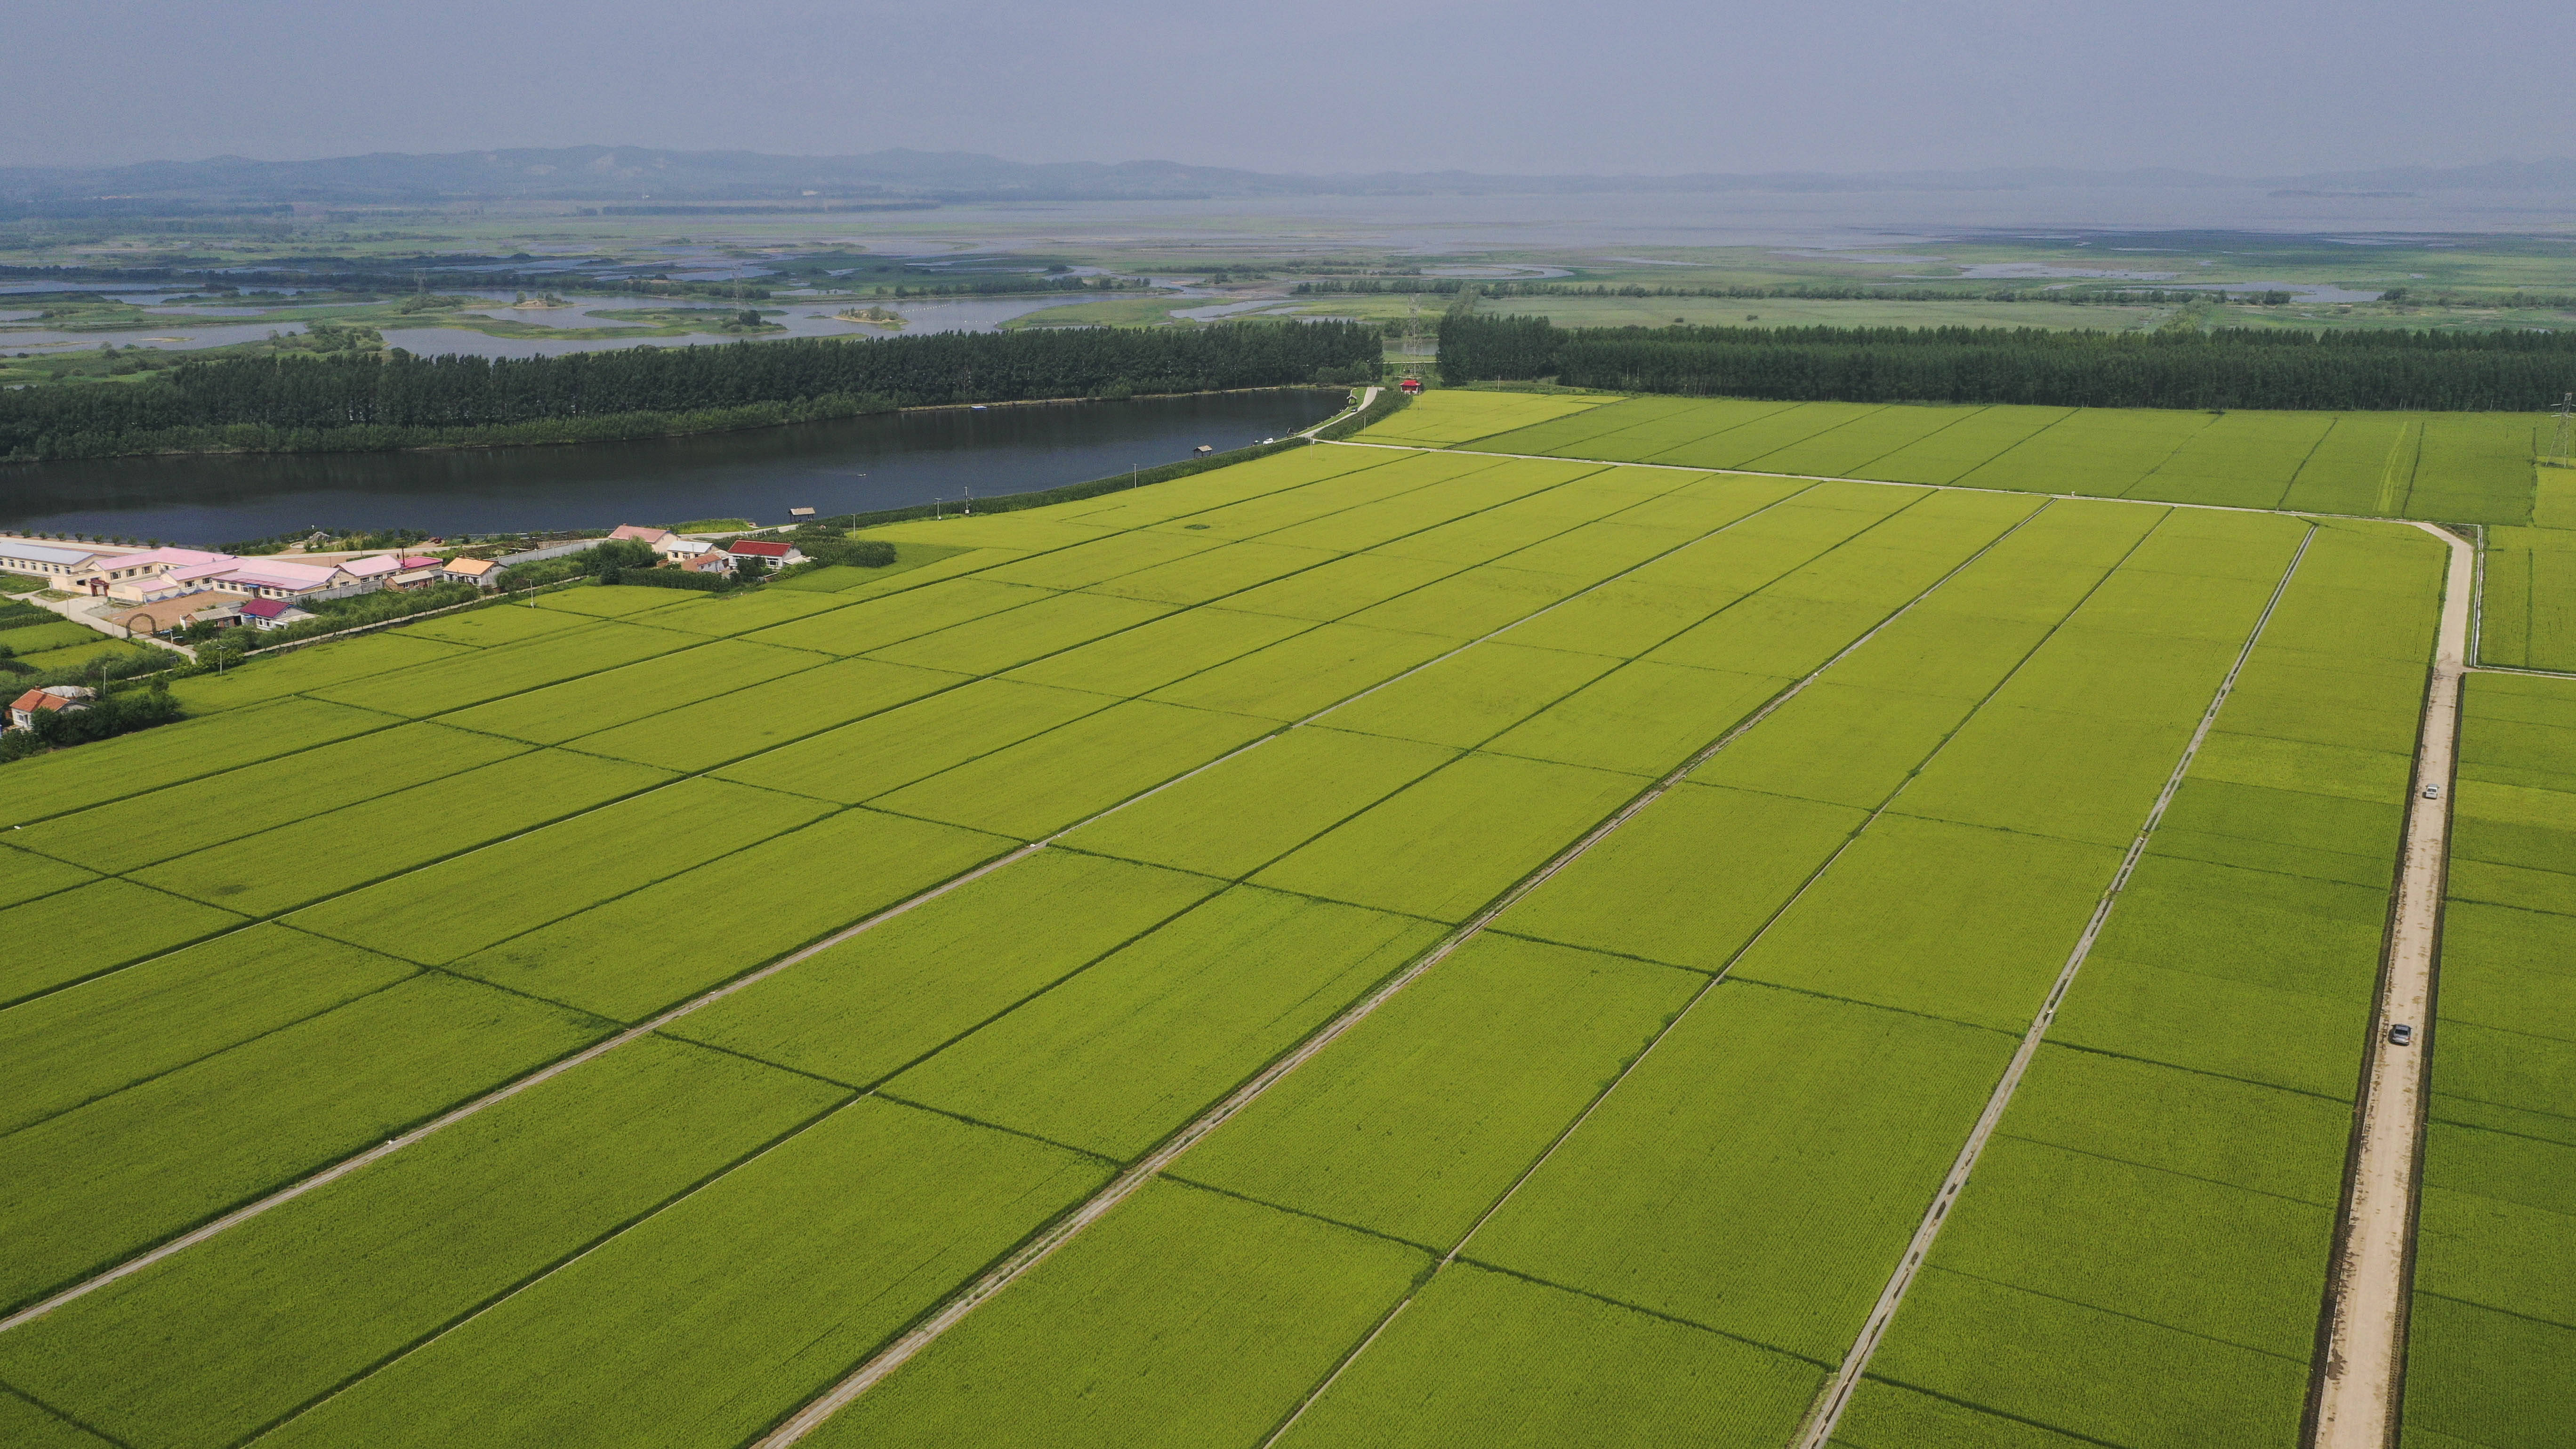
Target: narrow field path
954	1311
2365	1335
1836	1395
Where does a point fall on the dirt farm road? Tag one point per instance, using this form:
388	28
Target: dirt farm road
2366	1335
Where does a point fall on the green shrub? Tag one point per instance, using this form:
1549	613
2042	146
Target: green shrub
107	716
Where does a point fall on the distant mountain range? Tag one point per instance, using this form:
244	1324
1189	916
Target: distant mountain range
645	178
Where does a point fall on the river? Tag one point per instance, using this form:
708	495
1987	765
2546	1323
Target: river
761	473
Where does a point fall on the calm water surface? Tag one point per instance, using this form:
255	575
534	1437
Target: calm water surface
907	458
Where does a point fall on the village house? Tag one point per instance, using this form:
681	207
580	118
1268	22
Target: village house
640	534
272	614
776	555
67	697
712	561
45	561
681	550
106	571
417	572
480	572
374	572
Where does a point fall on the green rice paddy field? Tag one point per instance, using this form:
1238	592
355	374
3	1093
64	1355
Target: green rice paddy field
801	955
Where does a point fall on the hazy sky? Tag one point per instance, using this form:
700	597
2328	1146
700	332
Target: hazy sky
1505	85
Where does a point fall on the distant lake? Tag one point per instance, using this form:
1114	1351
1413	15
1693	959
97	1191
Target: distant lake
912	457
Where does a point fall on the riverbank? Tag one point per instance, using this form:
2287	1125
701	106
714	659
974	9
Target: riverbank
840	465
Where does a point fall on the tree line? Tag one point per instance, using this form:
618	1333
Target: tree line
2173	368
1451	286
395	399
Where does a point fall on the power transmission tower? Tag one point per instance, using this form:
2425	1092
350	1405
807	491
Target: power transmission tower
2559	449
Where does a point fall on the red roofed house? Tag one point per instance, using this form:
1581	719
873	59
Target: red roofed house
24	709
776	555
416	572
272	614
707	561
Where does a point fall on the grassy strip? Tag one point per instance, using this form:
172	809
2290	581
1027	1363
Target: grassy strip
1014	502
1389	402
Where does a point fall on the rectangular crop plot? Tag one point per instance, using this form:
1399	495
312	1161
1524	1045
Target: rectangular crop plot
1086	564
610	601
1472	604
1946	454
1837	744
1216	573
1016	636
1444	416
1556	436
1493	1360
1470	696
883	999
73	1046
1690	879
1847	449
24	876
2073	1369
2364	464
1760	1170
1415	1123
1244	812
561	712
1122	1054
1625	617
748	721
292	865
482	674
1296	677
2475	468
736	1304
493	624
210	810
203	1350
1456	839
303	670
896	617
97	927
28	639
1220	1314
94	774
1046	783
721	616
1342	587
887	751
1153	655
629	957
1645	718
2241	460
1738	446
2101	451
2211	1259
1951	920
544	875
2074	776
79	1191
